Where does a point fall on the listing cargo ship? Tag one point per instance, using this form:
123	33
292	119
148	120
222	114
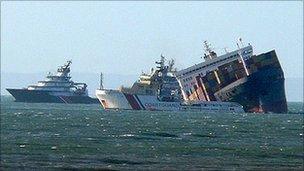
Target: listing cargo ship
56	88
158	90
254	81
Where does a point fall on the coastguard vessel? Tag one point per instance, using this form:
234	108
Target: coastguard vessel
254	81
56	88
158	90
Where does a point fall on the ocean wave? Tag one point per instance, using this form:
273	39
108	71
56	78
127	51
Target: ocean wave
160	134
123	161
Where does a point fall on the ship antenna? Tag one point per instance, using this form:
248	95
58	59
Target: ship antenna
207	47
161	63
101	81
68	63
238	45
171	64
240	39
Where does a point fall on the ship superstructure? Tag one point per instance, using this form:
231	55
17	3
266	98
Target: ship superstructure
57	88
254	81
160	82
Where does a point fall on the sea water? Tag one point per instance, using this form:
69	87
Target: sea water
67	136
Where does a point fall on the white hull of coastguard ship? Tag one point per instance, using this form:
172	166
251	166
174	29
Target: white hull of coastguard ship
115	99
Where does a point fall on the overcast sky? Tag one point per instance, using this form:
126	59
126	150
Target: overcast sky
127	37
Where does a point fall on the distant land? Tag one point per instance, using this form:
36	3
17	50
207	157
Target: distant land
293	86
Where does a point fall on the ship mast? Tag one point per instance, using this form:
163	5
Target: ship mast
101	81
161	63
65	69
66	66
209	53
207	47
170	65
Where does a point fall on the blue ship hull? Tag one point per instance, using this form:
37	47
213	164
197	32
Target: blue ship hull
262	91
42	96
